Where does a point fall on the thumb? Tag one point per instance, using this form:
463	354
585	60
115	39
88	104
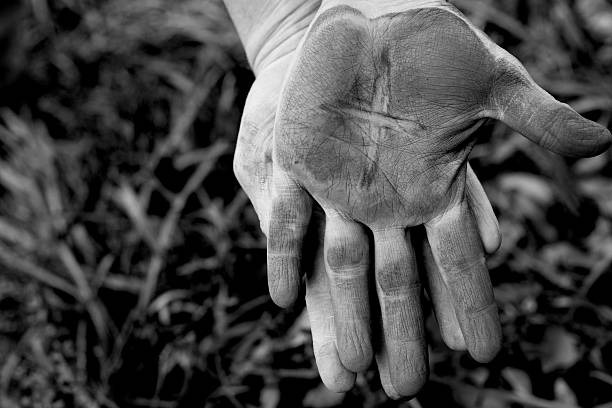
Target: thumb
527	108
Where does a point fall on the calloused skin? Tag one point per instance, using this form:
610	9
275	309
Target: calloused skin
375	123
253	168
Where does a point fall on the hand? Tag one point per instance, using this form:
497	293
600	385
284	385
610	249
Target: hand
375	124
253	167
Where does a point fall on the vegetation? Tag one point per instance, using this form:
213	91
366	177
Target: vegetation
132	268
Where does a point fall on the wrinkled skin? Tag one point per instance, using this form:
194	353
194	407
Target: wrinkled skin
253	167
382	131
375	124
378	113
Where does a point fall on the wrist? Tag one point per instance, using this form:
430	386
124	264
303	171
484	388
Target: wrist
376	8
270	29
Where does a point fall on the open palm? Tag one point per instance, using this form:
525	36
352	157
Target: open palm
340	320
378	113
375	123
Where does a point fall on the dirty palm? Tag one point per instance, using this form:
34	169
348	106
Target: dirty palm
375	124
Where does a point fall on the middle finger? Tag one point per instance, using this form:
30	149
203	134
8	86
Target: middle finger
399	295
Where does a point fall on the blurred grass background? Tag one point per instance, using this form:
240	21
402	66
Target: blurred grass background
132	268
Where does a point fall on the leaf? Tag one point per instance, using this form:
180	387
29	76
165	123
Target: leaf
519	380
270	396
531	186
599	189
559	350
321	397
127	199
299	333
564	393
598	16
590	165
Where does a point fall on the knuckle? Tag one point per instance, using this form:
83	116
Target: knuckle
394	280
460	269
287	228
285	239
317	296
282	267
290	210
346	254
404	316
509	72
470	293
